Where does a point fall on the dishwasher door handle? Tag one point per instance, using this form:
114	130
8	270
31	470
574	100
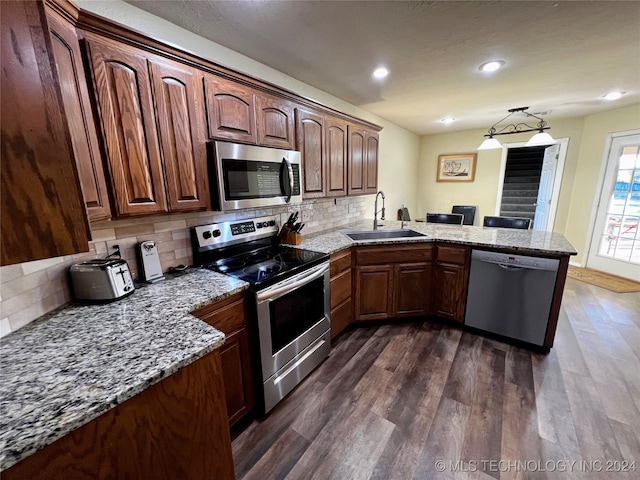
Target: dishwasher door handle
509	267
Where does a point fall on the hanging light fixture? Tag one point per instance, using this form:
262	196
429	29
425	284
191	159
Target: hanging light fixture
540	138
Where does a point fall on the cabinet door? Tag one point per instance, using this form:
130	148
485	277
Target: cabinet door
371	163
336	148
357	154
310	142
236	370
412	289
42	212
230	110
77	107
373	292
178	113
450	291
123	89
275	121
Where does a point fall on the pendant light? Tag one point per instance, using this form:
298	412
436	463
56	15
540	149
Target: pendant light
540	138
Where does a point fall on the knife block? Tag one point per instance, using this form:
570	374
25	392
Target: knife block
293	238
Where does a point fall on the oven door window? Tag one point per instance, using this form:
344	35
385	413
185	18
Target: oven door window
296	312
247	179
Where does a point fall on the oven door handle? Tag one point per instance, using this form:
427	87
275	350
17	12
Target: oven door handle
287	286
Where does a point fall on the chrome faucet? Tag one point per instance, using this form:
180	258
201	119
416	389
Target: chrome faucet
375	209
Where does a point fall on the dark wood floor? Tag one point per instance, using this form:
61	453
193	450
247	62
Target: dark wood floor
392	400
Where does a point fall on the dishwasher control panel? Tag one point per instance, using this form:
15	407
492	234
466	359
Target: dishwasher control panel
515	260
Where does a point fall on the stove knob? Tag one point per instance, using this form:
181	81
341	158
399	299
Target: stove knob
272	223
206	234
259	224
217	233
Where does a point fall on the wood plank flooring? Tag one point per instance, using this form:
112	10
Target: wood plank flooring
393	400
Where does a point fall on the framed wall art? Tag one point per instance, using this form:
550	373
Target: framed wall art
457	168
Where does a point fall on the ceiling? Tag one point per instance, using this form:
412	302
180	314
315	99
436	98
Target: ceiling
561	57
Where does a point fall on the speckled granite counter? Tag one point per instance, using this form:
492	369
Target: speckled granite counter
521	241
70	366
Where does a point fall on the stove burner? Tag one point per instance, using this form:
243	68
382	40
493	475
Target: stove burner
233	264
257	257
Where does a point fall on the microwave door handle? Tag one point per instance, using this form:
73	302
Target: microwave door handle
289	183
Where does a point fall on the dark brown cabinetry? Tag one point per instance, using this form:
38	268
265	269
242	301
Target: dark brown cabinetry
322	142
275	122
451	278
230	110
77	106
230	317
363	161
341	288
176	428
180	119
151	116
393	282
42	211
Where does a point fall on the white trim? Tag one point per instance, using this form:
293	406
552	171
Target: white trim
503	169
557	183
599	186
575	264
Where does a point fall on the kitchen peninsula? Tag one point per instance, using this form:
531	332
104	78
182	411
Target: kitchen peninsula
81	362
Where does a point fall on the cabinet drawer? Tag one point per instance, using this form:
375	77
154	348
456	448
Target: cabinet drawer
340	262
457	255
227	315
394	254
340	288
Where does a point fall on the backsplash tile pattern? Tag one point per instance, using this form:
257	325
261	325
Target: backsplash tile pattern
29	290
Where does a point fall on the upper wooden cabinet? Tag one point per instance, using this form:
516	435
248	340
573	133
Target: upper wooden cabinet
77	106
230	110
322	142
123	90
42	212
180	117
275	122
363	161
153	123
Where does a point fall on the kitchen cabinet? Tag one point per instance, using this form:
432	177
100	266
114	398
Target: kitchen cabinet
393	282
42	211
176	428
152	119
230	110
275	121
230	317
180	118
451	278
363	161
77	106
322	142
341	289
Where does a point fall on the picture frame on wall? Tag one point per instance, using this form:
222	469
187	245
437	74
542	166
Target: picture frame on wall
457	168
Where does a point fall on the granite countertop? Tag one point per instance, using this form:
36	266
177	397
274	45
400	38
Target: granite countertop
73	364
522	241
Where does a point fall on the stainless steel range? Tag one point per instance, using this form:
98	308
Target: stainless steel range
290	288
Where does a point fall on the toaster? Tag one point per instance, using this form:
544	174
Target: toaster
101	279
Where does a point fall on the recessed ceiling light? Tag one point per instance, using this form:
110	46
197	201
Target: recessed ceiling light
491	66
614	95
380	72
447	120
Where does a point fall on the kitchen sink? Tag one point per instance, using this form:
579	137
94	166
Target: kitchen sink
383	234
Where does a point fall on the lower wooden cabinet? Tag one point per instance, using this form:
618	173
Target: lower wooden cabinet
393	281
341	288
176	428
230	317
451	279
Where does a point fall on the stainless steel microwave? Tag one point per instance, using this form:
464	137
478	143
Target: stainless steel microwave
246	176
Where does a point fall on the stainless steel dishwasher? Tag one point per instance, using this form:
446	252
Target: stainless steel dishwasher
511	295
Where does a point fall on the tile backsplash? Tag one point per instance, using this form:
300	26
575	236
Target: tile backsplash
29	290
